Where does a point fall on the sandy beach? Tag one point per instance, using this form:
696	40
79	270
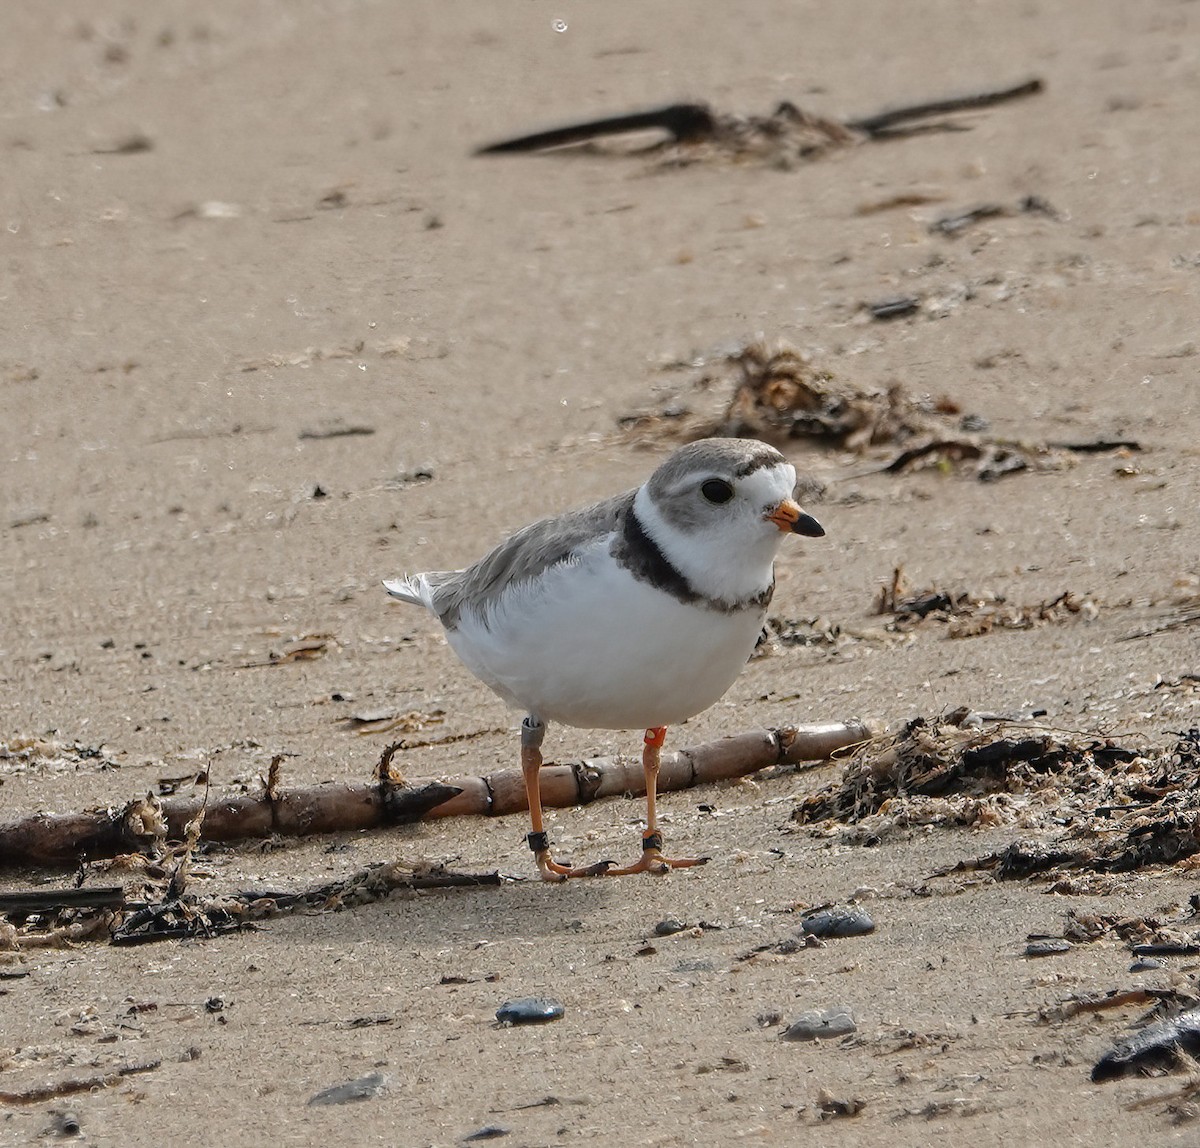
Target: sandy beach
271	333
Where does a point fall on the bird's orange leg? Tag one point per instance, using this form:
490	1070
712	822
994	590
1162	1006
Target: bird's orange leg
532	733
652	860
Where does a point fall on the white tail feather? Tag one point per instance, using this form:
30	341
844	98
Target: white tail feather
412	588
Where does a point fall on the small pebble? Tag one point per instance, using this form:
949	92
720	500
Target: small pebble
669	926
529	1010
362	1089
837	921
820	1023
1147	964
487	1132
894	308
1047	948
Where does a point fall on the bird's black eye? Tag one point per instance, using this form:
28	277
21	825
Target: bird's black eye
716	490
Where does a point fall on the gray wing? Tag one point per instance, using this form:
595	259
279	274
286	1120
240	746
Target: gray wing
524	555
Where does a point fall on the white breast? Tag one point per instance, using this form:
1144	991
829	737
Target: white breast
588	645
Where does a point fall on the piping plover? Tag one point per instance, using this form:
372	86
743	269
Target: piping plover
635	613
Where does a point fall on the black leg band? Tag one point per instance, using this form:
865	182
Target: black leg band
533	732
538	842
652	841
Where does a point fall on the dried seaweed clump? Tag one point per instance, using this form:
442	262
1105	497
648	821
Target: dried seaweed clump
955	757
1097	805
40	755
157	904
967	614
780	395
776	393
697	132
786	137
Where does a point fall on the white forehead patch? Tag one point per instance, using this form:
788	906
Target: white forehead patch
769	485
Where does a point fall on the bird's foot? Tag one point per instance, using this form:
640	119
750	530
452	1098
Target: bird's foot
551	870
652	860
554	871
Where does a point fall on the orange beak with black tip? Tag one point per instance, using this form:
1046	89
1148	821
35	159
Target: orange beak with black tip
792	520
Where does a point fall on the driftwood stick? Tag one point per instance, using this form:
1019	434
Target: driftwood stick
682	121
503	792
33	901
42	1092
696	122
885	121
342	807
66	838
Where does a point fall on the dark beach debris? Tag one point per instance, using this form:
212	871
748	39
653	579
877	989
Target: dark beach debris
45	754
1174	620
955	1106
956	224
991	460
550	1102
305	649
209	916
695	132
1099	445
529	1010
371	1020
136	143
951	755
159	906
1152	934
789	946
364	1088
811	632
1168	949
776	392
821	1024
968	614
1086	1003
959	222
337	430
830	1107
837	921
1180	1103
1158	1048
696	965
28	518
